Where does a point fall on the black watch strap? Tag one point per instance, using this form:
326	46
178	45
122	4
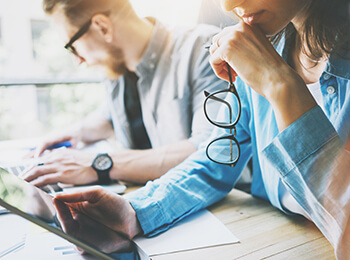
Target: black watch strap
103	177
102	164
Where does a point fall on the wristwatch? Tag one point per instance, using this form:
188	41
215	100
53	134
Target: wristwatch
102	164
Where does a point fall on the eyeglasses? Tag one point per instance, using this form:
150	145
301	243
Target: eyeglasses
69	46
224	149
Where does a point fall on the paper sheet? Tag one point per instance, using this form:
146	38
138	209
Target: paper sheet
199	230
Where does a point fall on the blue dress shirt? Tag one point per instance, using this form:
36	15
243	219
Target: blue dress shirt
197	182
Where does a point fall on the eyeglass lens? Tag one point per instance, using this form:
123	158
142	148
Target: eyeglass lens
222	109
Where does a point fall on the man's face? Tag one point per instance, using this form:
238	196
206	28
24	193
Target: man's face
92	48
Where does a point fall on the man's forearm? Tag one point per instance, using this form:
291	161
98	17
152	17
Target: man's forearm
139	166
95	128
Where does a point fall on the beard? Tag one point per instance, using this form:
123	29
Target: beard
115	65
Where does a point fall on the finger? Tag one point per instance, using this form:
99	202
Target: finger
41	148
63	210
227	31
64	214
39	171
91	195
219	66
47	179
213	47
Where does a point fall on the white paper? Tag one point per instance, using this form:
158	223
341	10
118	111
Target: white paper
47	245
199	230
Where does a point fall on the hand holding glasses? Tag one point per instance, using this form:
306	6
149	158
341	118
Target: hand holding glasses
224	149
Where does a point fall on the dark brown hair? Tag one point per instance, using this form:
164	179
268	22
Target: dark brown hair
325	30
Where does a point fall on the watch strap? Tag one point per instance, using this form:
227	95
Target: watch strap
103	175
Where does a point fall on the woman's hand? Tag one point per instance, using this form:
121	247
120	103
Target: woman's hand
253	58
105	207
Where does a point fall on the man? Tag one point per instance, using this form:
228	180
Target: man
156	79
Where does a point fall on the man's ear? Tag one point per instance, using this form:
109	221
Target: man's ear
104	26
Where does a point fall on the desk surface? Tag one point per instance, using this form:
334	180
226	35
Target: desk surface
263	230
264	233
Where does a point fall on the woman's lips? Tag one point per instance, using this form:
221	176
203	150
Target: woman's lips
251	18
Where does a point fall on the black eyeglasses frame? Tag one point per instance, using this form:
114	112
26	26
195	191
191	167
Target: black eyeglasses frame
231	126
86	26
69	46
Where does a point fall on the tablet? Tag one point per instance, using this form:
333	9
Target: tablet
37	206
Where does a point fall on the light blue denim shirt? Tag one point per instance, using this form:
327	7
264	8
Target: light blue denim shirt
315	168
198	182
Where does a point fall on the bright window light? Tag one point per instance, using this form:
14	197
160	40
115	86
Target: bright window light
170	12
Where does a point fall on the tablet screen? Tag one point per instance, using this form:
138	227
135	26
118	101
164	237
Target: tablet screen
37	206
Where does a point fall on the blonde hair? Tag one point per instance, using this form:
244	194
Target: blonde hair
78	12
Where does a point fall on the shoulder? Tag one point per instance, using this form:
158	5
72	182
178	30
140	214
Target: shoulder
200	31
193	39
189	45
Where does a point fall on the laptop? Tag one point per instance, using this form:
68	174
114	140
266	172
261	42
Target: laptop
35	205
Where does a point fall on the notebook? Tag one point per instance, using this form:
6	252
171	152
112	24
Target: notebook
35	205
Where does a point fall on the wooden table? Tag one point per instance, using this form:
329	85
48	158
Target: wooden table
264	233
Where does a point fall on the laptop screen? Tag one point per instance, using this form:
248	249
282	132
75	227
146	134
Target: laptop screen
37	206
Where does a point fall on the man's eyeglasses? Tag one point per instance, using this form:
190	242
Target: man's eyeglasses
69	46
225	149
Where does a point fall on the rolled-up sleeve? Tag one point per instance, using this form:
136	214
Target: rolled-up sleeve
313	168
191	186
194	184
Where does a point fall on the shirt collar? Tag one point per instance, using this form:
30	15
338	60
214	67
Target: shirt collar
151	56
153	52
337	65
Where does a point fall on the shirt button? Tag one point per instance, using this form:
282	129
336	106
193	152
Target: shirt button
152	66
326	76
330	90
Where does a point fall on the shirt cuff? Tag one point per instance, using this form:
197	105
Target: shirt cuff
148	212
300	140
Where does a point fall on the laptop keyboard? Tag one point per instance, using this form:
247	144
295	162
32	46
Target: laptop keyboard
16	170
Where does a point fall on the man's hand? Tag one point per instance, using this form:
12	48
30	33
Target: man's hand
63	165
73	138
105	207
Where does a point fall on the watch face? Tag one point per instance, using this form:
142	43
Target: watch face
102	163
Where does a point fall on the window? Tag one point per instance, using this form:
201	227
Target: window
36	72
2	51
38	28
36	75
0	31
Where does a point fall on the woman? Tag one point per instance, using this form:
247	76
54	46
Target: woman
315	70
278	122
